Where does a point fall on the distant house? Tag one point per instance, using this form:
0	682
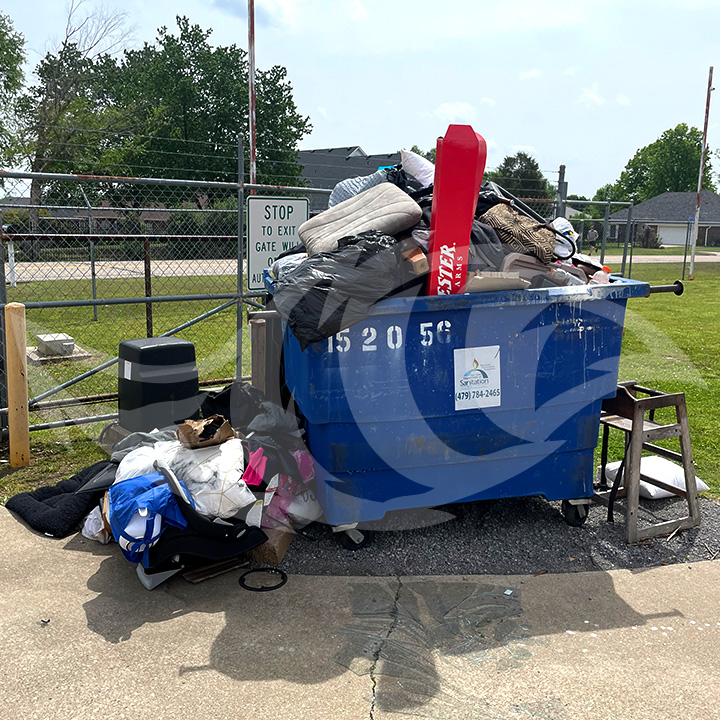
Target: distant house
326	167
670	214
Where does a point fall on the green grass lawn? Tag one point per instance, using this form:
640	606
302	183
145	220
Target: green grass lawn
673	344
214	338
60	453
670	343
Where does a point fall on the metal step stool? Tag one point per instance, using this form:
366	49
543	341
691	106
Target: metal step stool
626	412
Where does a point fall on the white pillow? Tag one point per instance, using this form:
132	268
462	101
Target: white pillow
418	166
656	468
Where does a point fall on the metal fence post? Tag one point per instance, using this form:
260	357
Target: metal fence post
93	277
240	260
606	228
148	288
628	233
91	249
561	193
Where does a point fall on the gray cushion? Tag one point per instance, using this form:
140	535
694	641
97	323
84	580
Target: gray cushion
385	208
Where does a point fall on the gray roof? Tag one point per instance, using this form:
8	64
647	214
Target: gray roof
674	207
326	167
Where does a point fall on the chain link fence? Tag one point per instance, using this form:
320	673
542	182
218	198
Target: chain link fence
88	257
86	253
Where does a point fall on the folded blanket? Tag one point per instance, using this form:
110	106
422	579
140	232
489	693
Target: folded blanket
56	510
385	208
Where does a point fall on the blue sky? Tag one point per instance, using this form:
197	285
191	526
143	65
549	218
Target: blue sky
580	83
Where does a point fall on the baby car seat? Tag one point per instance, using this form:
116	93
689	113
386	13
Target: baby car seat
201	539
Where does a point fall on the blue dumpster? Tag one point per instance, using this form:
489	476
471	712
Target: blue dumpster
436	400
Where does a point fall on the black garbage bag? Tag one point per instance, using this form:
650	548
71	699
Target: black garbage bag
332	291
486	251
489	196
403	179
240	403
294	250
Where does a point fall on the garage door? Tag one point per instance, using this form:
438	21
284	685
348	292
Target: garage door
672	234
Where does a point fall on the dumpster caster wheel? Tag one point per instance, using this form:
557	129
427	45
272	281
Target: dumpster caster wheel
358	539
575	515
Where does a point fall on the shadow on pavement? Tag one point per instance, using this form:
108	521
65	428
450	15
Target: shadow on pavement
415	639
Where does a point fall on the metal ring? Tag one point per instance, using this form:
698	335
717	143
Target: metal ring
263	588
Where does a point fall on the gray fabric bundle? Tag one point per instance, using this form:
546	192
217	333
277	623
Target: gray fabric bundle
385	208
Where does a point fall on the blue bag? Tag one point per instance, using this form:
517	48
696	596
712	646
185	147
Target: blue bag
139	509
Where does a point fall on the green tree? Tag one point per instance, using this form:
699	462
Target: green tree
192	99
60	122
670	164
520	175
169	109
12	56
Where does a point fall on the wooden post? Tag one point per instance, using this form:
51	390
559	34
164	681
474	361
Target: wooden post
18	416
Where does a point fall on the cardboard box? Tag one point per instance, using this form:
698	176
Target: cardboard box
273	551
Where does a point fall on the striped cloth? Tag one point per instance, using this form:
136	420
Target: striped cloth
346	189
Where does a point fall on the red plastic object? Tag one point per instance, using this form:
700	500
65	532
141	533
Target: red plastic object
459	167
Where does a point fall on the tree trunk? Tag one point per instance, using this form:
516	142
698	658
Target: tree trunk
34	219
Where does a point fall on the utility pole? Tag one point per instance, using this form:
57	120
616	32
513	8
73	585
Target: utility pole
251	54
700	177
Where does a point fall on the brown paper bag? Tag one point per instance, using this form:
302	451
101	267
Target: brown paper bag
203	433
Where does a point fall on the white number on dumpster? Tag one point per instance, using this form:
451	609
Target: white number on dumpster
429	334
339	342
442	330
369	333
394	337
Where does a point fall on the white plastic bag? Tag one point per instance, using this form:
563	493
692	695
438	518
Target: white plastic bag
214	477
94	528
656	468
141	461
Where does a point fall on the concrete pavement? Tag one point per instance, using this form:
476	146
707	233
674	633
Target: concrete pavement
710	257
83	639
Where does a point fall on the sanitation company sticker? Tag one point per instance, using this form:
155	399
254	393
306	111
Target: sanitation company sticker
477	377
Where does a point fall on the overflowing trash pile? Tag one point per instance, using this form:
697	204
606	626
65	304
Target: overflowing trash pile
217	485
375	241
203	489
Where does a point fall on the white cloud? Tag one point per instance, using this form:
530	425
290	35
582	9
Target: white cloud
623	99
488	101
455	111
322	111
569	72
530	74
286	11
591	97
357	11
491	143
